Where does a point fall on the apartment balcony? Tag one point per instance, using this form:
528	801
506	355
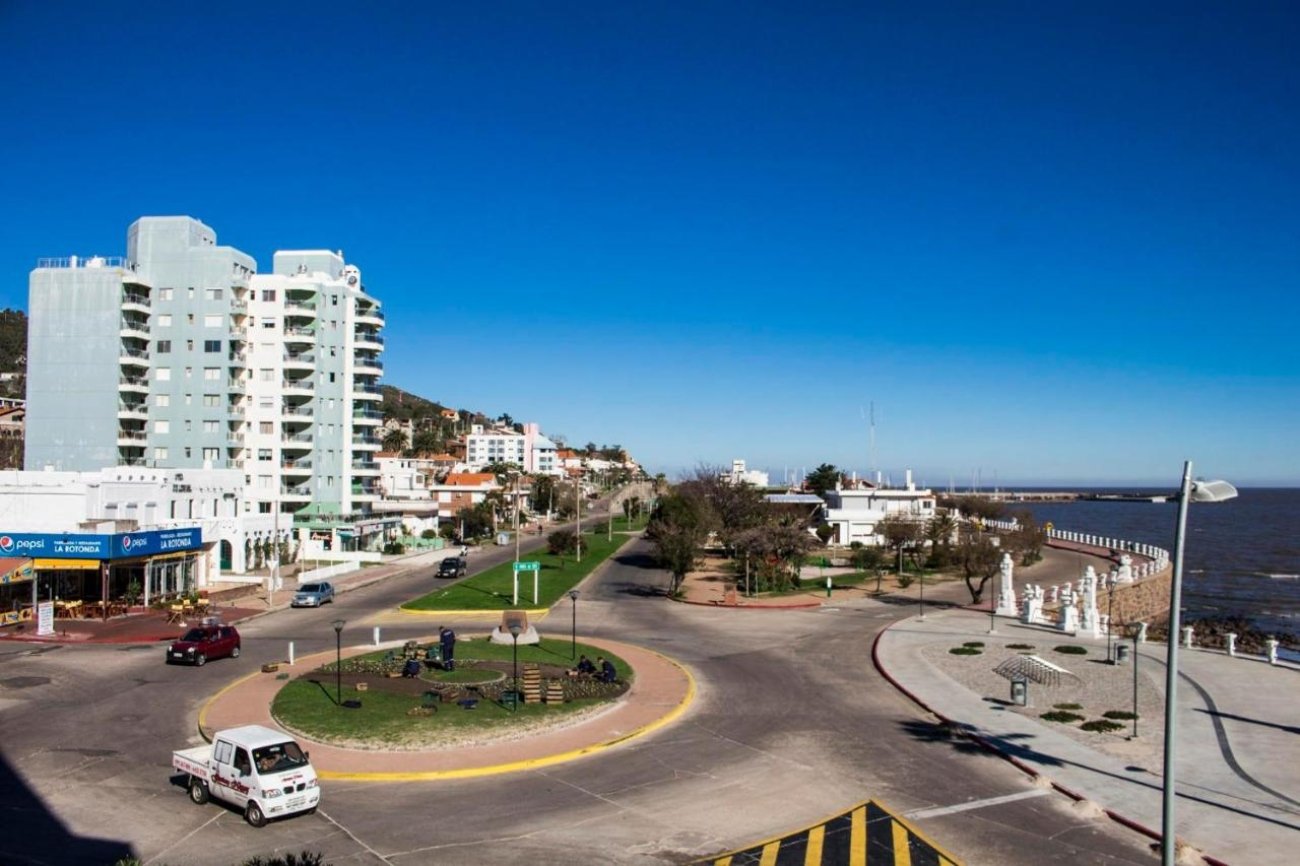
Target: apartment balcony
237	384
297	387
372	316
237	359
296	468
367	392
367	418
136	302
132	438
299	414
300	361
131	460
234	439
238	334
299	336
133	384
368	340
368	367
299	310
297	441
133	357
295	492
367	490
365	443
238	307
133	411
133	328
235	410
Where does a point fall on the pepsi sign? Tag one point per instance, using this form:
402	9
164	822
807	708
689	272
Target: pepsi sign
118	546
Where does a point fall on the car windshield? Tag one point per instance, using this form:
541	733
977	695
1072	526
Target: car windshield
311	587
279	758
194	635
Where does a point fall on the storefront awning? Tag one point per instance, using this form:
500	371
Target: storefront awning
67	564
15	569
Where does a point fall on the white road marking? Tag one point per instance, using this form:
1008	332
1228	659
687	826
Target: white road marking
976	804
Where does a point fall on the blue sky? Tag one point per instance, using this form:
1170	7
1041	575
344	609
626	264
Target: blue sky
1051	242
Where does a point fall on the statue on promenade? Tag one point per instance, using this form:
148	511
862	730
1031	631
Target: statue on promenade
1006	594
1125	573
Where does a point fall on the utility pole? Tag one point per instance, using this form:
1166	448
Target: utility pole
577	508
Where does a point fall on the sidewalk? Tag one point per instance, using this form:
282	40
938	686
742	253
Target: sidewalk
1238	756
661	691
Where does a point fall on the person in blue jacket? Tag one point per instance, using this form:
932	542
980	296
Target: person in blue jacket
447	638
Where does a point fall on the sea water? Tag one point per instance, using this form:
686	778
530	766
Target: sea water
1242	557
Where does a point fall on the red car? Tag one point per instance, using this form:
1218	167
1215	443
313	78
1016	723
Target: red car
204	642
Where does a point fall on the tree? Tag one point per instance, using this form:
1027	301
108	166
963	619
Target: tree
979	559
901	534
979	507
503	471
426	442
394	440
1026	541
562	541
823	478
543	492
939	534
475	522
677	529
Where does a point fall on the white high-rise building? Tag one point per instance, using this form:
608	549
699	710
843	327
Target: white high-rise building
181	355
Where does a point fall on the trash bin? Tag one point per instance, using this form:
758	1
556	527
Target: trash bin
1121	653
1020	692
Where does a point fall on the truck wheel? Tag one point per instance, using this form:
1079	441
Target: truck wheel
198	791
234	653
253	815
200	660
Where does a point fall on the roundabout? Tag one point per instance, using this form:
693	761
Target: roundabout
661	691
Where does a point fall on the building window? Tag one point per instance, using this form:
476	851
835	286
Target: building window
189	425
212	345
266	427
210	453
214	321
189	372
268	295
264	454
211	427
212	374
160	454
266	374
189	318
162	427
189	399
211	400
189	345
163	374
212	294
268	323
189	293
162	400
165	295
187	452
162	347
163	320
264	481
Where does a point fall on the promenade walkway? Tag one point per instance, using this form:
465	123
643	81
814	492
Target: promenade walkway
1238	753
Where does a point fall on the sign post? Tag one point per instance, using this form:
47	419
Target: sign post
535	567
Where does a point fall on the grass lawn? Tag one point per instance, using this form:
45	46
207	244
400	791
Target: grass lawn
492	589
384	717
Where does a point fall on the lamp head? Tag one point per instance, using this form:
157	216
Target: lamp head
573	595
1212	491
338	626
514	630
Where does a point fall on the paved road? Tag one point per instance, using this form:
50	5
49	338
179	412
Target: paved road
791	725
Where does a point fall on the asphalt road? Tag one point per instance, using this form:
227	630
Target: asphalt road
792	724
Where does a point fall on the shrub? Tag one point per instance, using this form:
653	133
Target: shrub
1067	706
1072	650
1101	726
1061	716
394	548
1120	714
1020	646
905	580
429	533
965	651
975	643
562	541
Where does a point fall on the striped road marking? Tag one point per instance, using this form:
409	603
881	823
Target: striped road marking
977	804
866	835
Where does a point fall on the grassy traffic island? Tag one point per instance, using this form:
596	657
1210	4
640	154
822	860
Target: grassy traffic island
440	709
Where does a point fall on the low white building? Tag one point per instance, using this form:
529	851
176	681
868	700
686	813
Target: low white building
212	499
739	474
854	515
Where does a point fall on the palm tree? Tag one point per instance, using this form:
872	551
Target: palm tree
394	440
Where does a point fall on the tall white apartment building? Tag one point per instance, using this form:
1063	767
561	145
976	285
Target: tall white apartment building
181	355
529	450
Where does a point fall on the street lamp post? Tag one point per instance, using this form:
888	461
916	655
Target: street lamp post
514	643
1199	491
338	661
573	631
516	518
577	509
1136	628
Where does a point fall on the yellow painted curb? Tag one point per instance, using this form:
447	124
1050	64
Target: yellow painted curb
203	711
495	614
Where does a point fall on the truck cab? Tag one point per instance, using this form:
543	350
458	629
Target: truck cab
259	770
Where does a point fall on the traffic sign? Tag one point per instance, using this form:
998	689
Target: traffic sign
528	566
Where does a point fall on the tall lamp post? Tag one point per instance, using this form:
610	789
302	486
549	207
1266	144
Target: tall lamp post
338	661
1136	629
1198	491
573	632
514	643
577	508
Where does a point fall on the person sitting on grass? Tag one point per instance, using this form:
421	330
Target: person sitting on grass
607	672
584	667
411	669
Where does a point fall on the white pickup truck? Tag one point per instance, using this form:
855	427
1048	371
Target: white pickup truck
257	769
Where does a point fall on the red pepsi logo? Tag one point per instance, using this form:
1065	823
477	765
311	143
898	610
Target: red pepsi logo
126	542
6	544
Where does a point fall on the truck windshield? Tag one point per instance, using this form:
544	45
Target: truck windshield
278	758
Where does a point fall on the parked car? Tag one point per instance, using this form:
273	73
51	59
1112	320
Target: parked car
313	594
204	642
453	567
